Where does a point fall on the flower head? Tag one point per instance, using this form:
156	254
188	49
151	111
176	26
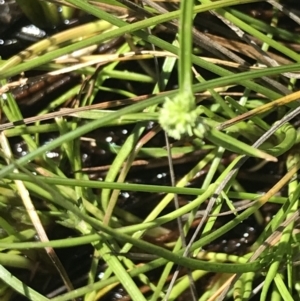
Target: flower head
177	118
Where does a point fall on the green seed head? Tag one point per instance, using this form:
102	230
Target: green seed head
177	118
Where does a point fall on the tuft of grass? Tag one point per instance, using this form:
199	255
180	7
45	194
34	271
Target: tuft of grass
231	111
